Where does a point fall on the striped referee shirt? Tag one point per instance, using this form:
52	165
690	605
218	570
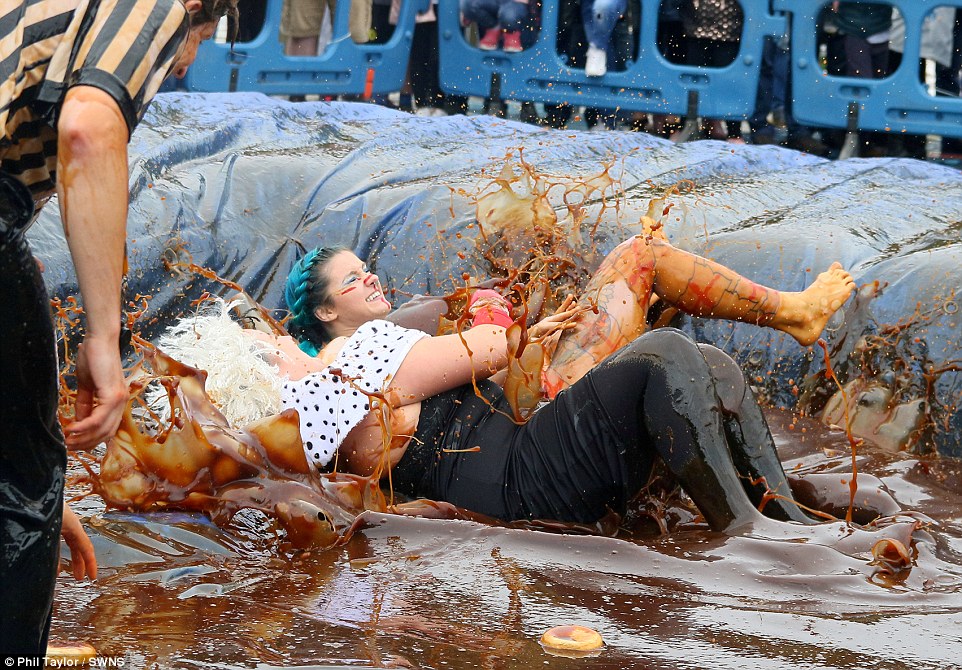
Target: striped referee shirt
125	48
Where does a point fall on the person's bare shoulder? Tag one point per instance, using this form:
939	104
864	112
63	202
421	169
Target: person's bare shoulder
331	350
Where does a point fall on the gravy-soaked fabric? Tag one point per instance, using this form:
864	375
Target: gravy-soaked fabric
125	48
591	449
32	454
573	461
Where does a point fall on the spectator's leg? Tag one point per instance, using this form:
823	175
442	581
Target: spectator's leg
859	60
512	15
781	69
381	22
671	44
425	83
878	142
835	55
532	25
251	17
953	145
956	65
301	26
482	12
570	44
359	21
599	19
762	132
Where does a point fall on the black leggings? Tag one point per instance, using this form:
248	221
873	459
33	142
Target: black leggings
32	453
592	448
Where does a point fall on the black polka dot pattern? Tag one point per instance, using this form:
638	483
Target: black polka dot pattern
330	406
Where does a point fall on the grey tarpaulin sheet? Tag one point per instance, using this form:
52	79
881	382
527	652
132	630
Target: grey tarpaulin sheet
243	182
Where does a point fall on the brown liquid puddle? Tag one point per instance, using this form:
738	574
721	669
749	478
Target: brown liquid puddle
249	558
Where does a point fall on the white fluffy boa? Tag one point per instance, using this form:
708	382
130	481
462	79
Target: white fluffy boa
240	381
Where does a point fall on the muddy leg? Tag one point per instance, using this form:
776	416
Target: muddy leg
620	291
662	381
701	287
622	288
749	439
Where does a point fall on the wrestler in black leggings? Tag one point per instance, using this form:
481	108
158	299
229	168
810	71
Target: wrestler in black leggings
592	448
32	453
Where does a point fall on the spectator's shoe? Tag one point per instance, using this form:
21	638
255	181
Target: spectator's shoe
512	41
779	120
495	107
596	64
638	122
715	129
489	41
764	135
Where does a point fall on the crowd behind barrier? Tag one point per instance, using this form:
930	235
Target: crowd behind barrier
344	67
648	82
744	63
891	99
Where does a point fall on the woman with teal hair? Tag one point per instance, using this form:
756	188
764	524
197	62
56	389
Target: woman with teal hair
374	397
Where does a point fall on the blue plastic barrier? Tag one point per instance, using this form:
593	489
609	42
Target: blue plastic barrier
897	103
345	67
649	84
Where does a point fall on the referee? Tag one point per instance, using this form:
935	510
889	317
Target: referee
75	78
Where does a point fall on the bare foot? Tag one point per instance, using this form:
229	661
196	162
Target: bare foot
804	315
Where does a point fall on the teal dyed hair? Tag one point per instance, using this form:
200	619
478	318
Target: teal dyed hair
296	292
304	292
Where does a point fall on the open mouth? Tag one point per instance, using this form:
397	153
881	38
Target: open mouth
374	296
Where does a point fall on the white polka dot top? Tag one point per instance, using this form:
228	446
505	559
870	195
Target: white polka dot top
331	402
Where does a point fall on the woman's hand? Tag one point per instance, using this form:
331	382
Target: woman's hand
82	557
563	319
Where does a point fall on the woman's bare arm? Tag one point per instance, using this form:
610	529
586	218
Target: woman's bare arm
438	364
363	449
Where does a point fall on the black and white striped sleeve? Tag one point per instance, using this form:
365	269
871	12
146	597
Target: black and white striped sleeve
127	48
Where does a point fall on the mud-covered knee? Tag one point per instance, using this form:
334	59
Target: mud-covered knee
729	379
668	342
665	349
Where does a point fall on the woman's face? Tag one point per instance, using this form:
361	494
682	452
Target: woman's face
356	295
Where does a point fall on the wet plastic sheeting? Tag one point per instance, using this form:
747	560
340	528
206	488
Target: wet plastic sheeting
243	182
